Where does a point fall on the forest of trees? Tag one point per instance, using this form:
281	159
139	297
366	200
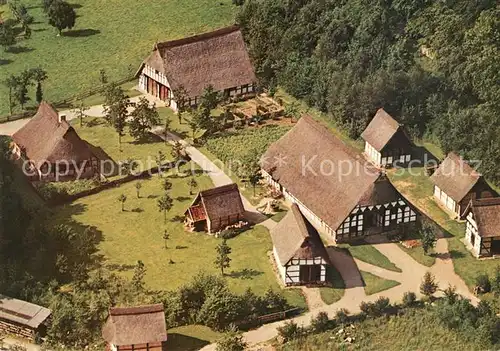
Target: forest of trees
434	65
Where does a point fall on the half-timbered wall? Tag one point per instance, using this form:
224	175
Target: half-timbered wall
472	235
290	273
155	346
383	217
292	269
220	223
445	200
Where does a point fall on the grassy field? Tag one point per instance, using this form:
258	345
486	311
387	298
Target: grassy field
375	284
111	35
332	294
191	338
367	253
97	132
415	330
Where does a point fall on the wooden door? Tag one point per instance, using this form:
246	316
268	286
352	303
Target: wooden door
310	274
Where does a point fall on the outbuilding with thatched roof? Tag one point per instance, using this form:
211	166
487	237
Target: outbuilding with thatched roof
218	59
51	149
299	253
335	188
482	232
456	183
136	328
215	209
386	142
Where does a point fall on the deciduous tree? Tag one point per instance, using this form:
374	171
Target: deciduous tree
138	186
144	118
427	237
222	260
116	109
122	199
7	35
61	15
165	204
138	277
38	75
192	183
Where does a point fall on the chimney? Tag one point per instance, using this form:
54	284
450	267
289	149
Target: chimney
62	118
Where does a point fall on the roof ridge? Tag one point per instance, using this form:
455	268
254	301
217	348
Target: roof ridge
491	201
143	309
459	160
197	37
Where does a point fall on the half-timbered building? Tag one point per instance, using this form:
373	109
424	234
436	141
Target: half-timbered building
300	255
51	150
482	233
215	209
219	59
456	183
335	188
386	142
136	328
23	319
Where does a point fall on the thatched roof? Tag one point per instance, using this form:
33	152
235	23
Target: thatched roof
455	177
217	58
22	312
295	237
135	325
223	201
347	180
44	138
380	130
487	216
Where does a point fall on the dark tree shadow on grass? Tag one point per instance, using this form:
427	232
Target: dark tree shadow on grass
81	33
95	122
137	210
177	218
182	198
76	6
180	342
40	30
19	49
181	247
246	273
5	62
153	196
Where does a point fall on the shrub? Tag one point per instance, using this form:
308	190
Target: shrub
290	331
275	301
409	299
495	284
381	305
483	283
229	233
450	294
321	323
429	285
232	341
342	316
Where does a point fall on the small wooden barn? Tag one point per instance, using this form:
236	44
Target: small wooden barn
217	58
483	227
335	188
456	183
386	142
136	328
215	209
22	319
51	150
299	253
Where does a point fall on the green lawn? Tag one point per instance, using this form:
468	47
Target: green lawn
98	99
111	35
367	253
97	132
417	253
334	293
414	330
191	337
375	284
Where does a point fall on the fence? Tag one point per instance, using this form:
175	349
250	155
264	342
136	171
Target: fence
65	102
269	318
